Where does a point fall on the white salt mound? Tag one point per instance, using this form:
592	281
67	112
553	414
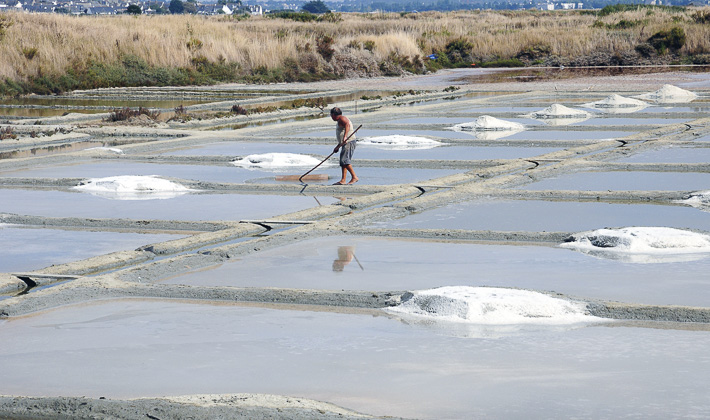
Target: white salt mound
491	306
488	123
699	200
130	187
616	101
643	240
559	111
276	161
669	94
397	141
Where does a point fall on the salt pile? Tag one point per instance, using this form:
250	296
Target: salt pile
617	104
491	306
399	142
129	187
557	114
558	111
669	94
642	244
700	200
276	161
488	123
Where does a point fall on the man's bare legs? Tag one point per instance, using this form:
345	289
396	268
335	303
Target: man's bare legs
345	169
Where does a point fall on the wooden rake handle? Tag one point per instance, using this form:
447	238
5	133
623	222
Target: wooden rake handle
323	161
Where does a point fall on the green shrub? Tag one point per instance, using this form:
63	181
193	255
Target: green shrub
296	16
29	52
673	39
701	16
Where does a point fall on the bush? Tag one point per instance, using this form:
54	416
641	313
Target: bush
29	52
296	16
6	133
458	52
325	47
645	49
239	110
664	40
701	16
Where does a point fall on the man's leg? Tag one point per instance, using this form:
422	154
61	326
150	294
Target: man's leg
343	176
353	177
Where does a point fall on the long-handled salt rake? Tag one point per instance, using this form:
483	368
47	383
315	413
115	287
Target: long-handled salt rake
300	179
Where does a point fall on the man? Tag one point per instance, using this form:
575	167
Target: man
347	148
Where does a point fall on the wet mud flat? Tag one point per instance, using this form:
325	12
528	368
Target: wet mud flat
293	300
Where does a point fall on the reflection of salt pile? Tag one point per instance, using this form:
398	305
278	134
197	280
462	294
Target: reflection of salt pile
669	94
617	104
399	142
489	128
130	187
700	200
107	149
557	114
491	306
642	244
276	161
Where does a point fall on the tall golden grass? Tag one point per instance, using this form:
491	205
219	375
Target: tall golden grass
60	41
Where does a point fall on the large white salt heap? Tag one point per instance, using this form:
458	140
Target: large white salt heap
131	187
276	161
488	123
557	114
669	94
491	306
617	104
642	244
399	142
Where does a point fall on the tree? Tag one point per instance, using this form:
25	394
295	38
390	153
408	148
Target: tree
315	6
176	7
189	7
134	9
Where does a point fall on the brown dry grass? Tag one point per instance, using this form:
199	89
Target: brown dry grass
173	40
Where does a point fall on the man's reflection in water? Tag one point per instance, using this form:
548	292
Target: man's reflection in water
345	255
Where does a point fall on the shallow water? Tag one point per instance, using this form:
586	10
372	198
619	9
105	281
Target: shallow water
673	154
625	180
367	151
373	364
381	264
27	249
550	216
227	173
185	207
550	134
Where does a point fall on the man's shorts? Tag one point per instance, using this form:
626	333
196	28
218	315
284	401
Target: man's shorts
346	153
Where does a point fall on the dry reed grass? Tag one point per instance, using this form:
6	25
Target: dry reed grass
173	41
